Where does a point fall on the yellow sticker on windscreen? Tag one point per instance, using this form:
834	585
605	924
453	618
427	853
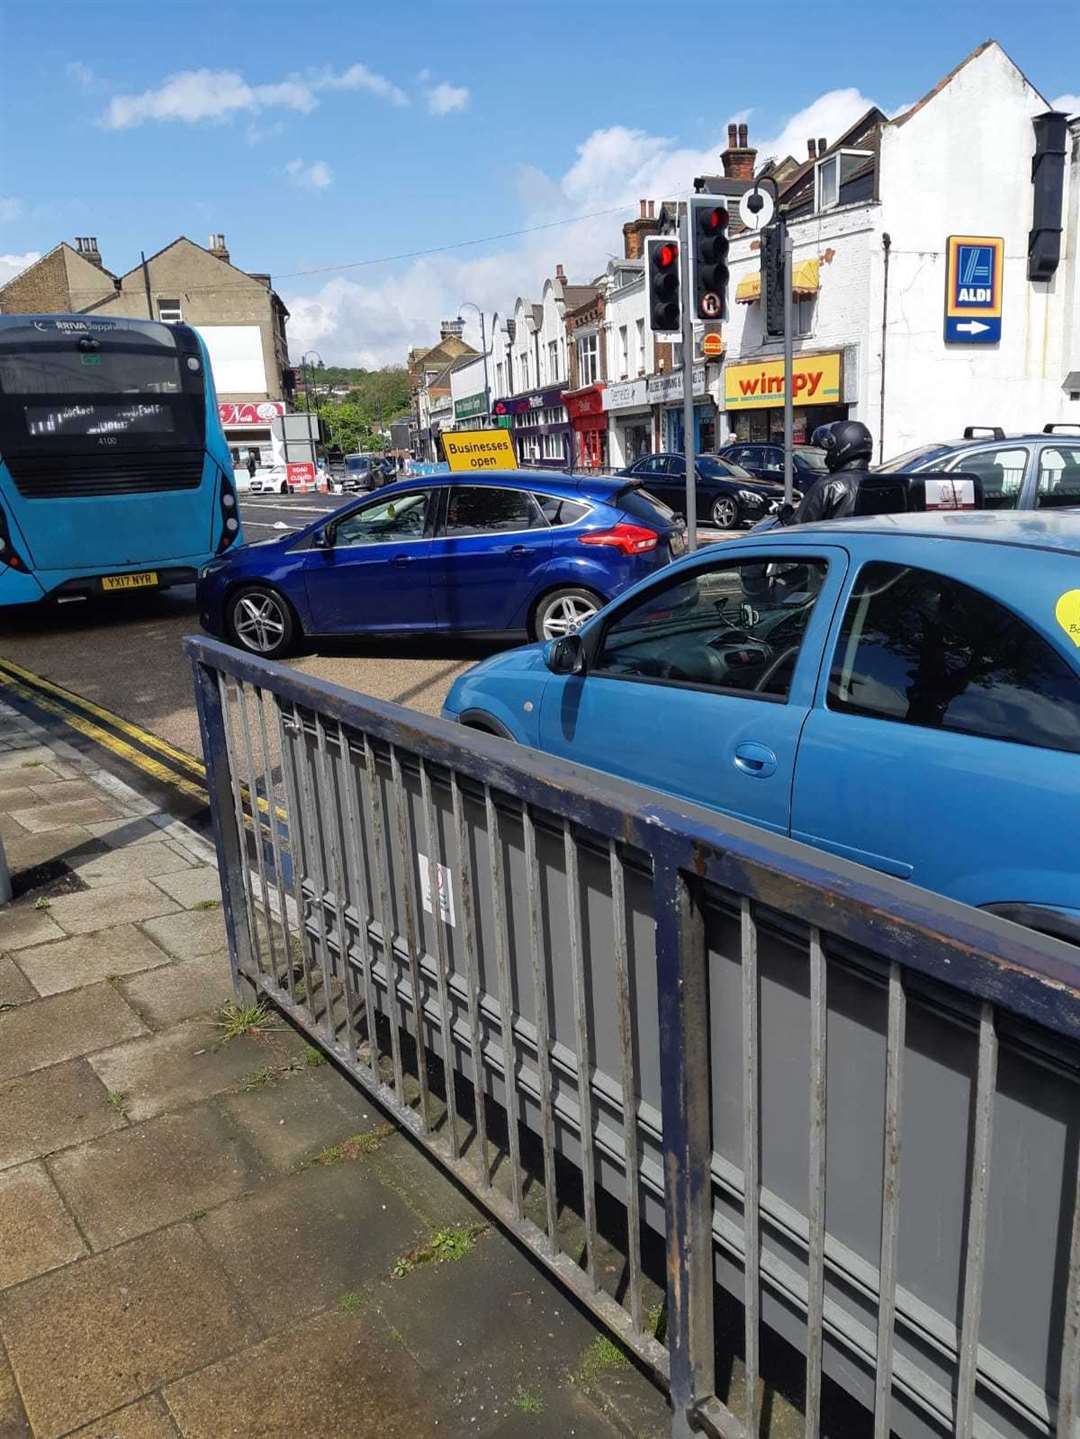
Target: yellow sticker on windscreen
1067	614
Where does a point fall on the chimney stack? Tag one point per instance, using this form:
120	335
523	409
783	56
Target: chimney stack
217	248
87	247
821	147
811	149
560	273
451	329
738	159
634	231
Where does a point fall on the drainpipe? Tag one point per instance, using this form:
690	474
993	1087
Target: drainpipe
886	245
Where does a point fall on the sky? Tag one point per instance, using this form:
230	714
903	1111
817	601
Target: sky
388	163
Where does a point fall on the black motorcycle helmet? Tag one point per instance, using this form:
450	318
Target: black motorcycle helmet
817	439
847	440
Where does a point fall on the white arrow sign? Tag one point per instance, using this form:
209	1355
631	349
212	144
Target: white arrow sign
972	327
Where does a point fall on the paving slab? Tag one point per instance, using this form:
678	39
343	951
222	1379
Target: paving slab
140	861
42	1112
295	1119
13	1421
332	1377
15	988
185	1064
190	933
71	842
529	1411
183	990
70	963
293	1247
62	791
37	1233
53	816
22	925
125	833
17	797
192	886
95	1336
419	1181
63	1026
27	757
148	1419
122	902
174	1166
10	829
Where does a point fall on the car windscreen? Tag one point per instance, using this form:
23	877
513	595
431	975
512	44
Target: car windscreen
722	470
357	465
911	457
633	500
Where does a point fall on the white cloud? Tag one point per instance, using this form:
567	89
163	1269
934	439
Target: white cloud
10	208
444	99
374	319
12	265
1069	103
193	96
81	74
316	176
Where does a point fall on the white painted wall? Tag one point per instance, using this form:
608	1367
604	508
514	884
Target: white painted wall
236	358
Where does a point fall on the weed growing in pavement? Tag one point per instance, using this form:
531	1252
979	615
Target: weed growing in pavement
32	764
300	991
236	1019
195	1214
656	1322
446	1246
600	1356
353	1148
350	1302
528	1401
207	904
313	1057
259	1078
119	1101
43	902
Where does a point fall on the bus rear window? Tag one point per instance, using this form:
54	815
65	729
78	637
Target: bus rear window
98	372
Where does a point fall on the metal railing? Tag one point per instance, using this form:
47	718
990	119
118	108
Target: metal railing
849	1106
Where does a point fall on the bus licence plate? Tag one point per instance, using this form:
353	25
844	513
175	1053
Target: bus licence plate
129	582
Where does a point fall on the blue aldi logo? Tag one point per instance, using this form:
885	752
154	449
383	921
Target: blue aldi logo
973	284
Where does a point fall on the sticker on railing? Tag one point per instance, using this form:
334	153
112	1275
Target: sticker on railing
444	883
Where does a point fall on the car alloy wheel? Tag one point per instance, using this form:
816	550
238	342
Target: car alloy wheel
261	622
564	612
725	513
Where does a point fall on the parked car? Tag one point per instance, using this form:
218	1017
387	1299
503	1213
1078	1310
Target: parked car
1019	472
269	480
361	472
727	495
766	461
516	552
903	691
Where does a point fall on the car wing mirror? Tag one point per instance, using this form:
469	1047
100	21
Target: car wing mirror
322	539
565	656
786	513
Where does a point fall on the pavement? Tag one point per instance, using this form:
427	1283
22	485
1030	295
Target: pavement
205	1230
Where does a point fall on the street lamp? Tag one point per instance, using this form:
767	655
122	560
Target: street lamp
760	216
468	305
311	354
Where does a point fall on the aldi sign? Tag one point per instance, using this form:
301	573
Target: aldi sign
973	287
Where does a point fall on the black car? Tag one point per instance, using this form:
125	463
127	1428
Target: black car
766	461
727	495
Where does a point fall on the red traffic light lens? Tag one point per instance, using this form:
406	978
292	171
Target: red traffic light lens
666	255
716	219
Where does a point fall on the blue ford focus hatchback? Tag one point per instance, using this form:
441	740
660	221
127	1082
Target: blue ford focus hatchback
520	551
902	690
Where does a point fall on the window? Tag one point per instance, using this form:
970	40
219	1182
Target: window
524	369
558	511
735	627
803	314
588	360
640	347
400	518
1059	476
834	173
169	312
1001	472
624	351
483	510
920	649
500	388
553	361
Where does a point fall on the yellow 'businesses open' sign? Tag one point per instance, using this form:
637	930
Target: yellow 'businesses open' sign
479	450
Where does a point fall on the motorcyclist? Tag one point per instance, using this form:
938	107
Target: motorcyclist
848	447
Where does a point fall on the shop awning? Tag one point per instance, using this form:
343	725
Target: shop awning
805	280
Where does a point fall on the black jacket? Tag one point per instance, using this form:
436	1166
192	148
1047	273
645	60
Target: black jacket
833	497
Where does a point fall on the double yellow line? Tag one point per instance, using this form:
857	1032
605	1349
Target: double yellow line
152	755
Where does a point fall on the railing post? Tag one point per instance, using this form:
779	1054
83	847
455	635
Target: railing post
227	838
683	1003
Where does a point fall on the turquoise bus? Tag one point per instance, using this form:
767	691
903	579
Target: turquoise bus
114	471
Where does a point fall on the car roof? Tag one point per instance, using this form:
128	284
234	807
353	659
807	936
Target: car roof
1032	529
552	482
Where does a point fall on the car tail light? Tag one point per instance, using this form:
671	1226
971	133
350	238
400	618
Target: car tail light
9	556
230	516
630	539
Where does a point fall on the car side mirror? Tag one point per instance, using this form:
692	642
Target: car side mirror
322	540
786	513
565	656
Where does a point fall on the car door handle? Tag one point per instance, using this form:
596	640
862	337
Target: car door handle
518	550
401	559
755	759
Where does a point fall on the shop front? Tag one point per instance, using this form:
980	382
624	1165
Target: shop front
247	429
588	419
753	392
665	393
539	427
470	411
629	422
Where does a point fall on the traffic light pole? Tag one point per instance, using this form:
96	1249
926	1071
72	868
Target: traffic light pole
789	378
688	382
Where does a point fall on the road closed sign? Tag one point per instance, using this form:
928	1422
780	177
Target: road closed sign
477	450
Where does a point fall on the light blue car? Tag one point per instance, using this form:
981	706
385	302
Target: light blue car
902	690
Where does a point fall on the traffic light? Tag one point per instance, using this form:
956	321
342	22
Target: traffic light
772	278
662	287
709	227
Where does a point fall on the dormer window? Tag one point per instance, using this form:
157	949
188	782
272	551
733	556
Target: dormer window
833	173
